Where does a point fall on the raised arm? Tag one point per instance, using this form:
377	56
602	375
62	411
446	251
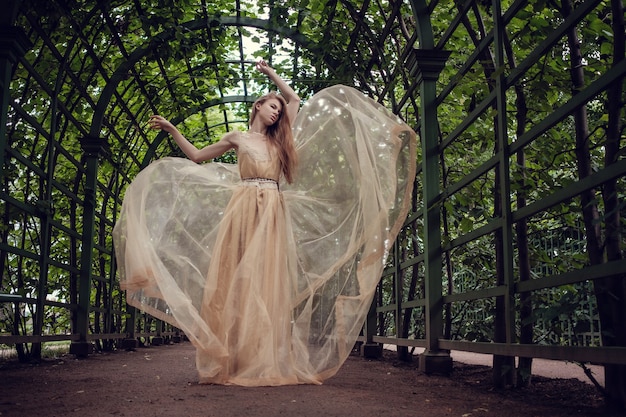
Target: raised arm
197	155
293	100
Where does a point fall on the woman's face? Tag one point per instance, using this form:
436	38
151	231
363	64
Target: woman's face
269	111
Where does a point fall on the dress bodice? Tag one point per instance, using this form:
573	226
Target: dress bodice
257	159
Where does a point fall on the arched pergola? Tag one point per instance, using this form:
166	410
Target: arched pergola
518	209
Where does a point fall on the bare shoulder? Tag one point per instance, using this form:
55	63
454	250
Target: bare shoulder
233	138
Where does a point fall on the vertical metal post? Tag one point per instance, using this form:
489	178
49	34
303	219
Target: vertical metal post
93	149
370	349
505	306
130	342
13	46
398	286
505	175
426	68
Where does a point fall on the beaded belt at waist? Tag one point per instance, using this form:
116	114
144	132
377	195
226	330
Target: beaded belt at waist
260	182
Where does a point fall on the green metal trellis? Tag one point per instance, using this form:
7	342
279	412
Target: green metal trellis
76	88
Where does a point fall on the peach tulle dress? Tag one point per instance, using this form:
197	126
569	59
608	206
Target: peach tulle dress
271	282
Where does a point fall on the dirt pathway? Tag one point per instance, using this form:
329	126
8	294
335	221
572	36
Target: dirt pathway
161	381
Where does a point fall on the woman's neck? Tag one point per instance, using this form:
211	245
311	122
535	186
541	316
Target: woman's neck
258	128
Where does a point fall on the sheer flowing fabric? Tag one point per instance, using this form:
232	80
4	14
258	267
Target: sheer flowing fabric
272	284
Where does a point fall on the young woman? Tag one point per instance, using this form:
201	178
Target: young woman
269	266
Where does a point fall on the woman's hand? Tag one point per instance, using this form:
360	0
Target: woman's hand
263	67
157	122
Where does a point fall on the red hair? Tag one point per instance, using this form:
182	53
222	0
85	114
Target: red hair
281	136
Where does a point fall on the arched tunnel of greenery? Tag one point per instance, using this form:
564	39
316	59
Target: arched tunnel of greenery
514	246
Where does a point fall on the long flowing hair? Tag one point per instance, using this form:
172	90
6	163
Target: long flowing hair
281	136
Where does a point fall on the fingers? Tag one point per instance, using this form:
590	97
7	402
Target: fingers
155	122
262	66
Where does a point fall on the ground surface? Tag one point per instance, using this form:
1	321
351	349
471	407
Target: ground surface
161	381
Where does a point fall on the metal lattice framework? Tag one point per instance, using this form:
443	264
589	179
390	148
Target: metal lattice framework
517	104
